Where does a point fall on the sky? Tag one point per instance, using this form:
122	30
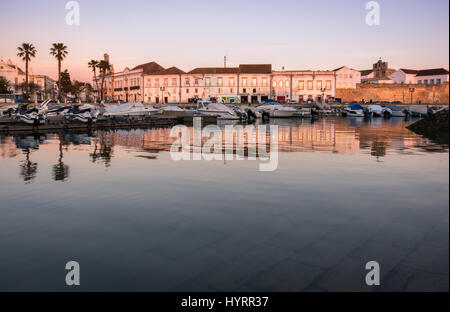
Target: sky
296	34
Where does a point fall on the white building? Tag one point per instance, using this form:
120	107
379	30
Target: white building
435	76
403	75
48	87
303	85
347	78
13	74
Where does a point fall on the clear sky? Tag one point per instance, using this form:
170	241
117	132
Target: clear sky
297	34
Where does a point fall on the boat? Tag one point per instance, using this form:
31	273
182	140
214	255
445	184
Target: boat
172	109
375	110
130	109
221	111
276	110
393	111
354	110
418	110
84	114
29	116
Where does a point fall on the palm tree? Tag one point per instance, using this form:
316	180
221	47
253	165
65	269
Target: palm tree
104	67
26	52
59	51
94	65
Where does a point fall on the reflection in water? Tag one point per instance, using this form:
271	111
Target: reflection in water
60	170
378	137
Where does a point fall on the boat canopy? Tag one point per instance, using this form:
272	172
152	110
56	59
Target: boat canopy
217	107
395	108
355	107
375	107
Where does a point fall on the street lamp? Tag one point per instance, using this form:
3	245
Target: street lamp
162	89
412	90
323	94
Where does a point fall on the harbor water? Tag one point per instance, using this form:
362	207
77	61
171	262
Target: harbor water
345	192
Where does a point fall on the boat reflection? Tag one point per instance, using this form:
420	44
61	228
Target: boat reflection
346	136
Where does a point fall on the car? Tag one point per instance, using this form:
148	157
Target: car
293	102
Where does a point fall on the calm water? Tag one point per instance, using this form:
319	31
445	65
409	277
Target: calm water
345	192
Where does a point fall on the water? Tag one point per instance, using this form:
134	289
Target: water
345	192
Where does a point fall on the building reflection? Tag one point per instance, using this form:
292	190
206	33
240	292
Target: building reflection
377	138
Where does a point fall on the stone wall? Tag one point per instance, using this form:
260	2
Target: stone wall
426	94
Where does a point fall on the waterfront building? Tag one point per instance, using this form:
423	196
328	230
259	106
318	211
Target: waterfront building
303	85
404	75
47	87
347	78
13	74
434	76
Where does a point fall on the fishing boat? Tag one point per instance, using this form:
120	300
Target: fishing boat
354	110
130	109
221	111
276	110
393	111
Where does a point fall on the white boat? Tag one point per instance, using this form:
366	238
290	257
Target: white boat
393	111
130	109
207	108
172	109
84	114
375	110
276	110
354	110
418	110
30	117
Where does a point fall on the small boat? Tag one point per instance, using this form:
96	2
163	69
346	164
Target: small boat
30	117
354	110
393	111
375	110
276	110
130	109
418	110
81	114
172	109
207	108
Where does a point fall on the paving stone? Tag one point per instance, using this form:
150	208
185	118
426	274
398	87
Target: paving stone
348	275
324	253
233	274
287	276
429	257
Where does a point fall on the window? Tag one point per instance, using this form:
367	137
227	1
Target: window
419	82
287	84
208	81
432	81
264	82
351	76
425	81
274	83
187	90
149	82
338	85
310	84
280	83
345	76
166	81
187	81
438	81
254	82
328	84
231	82
219	81
231	90
220	90
319	85
138	81
301	85
156	82
174	81
196	82
244	82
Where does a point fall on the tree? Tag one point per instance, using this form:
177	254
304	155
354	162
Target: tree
94	65
104	67
59	51
4	85
26	52
32	87
66	83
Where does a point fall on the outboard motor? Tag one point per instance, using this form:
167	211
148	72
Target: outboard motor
250	114
265	115
387	114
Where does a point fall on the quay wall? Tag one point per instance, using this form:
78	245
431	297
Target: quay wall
424	94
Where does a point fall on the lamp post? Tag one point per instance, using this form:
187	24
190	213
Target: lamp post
323	94
412	90
162	89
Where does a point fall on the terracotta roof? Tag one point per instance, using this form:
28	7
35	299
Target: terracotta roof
149	68
215	70
366	72
169	71
409	71
432	72
255	68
